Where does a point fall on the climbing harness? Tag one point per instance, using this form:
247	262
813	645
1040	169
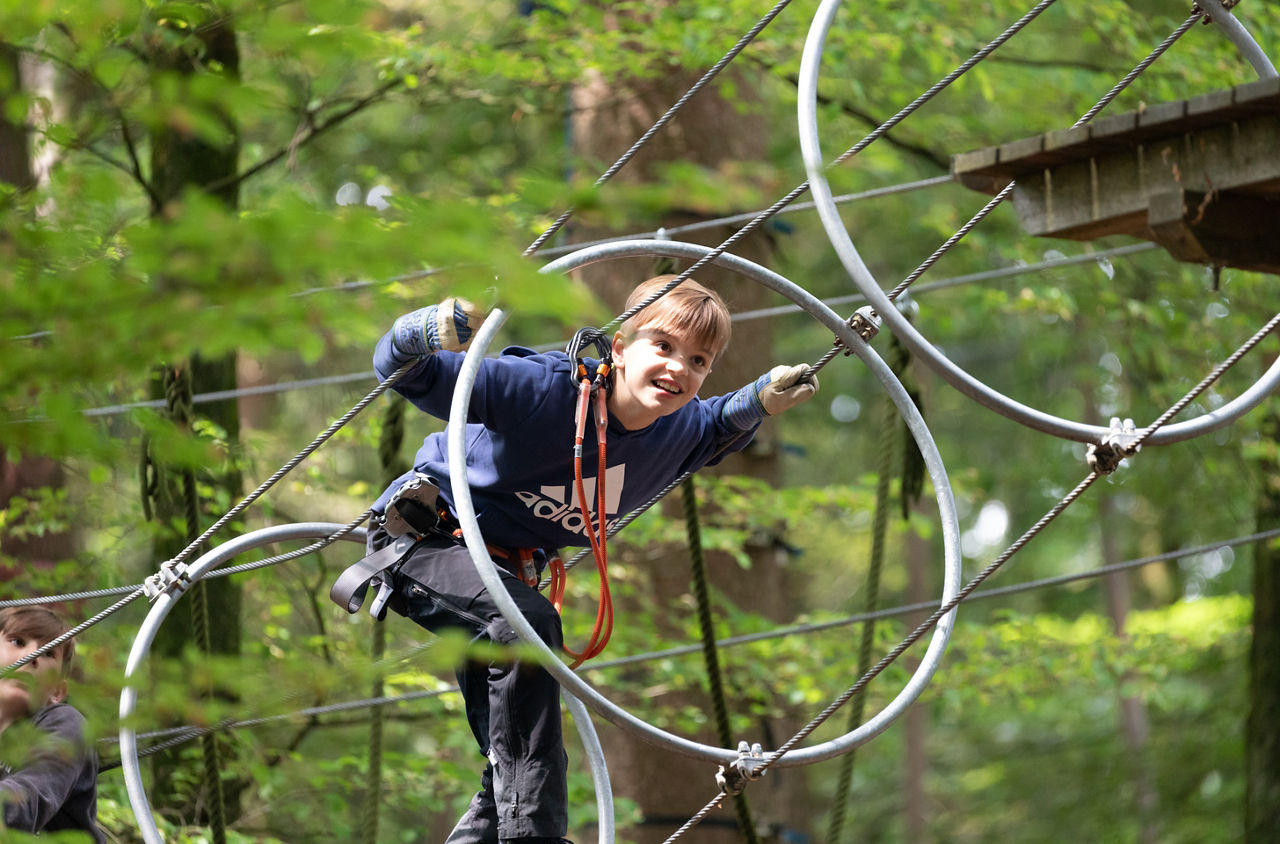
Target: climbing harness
597	384
416	512
410	517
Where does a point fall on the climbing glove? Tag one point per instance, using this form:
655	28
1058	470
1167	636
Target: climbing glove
779	389
448	326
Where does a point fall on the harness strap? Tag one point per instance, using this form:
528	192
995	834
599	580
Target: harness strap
349	590
520	560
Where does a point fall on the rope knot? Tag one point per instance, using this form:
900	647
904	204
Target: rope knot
748	767
1120	442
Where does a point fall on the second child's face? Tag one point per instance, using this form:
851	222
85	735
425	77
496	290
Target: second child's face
655	374
18	693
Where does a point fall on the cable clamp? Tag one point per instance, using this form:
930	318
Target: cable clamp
748	767
1208	18
172	577
1119	442
865	322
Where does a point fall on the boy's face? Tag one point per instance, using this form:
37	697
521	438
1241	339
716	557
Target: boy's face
20	695
657	372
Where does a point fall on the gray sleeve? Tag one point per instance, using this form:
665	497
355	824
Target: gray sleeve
35	792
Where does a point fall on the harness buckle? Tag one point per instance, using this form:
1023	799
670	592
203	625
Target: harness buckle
412	508
378	607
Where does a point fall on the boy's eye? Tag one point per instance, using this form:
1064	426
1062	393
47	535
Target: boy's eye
699	361
664	346
16	641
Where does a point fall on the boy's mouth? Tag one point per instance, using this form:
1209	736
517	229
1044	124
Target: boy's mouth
667	386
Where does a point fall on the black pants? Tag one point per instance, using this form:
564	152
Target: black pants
513	707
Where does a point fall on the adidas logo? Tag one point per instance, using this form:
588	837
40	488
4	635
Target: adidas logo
557	504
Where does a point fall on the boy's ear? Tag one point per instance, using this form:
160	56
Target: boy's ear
619	343
58	692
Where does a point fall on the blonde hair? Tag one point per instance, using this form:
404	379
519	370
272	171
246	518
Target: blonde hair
688	308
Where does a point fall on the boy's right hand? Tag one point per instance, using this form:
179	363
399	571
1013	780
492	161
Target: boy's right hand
785	388
448	326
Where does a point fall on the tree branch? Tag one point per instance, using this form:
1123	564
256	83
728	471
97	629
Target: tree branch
297	142
923	152
134	167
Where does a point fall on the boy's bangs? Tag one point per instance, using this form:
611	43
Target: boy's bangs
698	320
689	310
39	625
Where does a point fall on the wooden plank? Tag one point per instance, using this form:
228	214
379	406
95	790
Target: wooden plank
1113	131
1260	96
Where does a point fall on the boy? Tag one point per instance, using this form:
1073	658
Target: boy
56	786
520	467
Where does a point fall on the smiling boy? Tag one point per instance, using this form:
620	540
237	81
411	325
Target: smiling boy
54	786
520	437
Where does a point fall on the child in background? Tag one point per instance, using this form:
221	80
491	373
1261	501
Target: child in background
55	785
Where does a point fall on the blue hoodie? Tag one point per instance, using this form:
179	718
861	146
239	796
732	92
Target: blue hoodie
520	435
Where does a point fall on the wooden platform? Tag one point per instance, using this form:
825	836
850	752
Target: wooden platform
1200	177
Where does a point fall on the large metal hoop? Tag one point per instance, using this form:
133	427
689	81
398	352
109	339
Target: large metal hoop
970	386
602	705
145	637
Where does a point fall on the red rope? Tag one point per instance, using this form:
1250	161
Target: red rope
596	534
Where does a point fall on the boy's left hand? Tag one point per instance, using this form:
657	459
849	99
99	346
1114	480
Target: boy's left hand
782	388
448	326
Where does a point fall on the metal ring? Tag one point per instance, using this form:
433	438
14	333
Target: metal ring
203	565
600	704
903	329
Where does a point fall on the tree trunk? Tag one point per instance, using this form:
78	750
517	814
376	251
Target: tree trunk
15	146
608	117
1134	723
1262	730
181	161
28	473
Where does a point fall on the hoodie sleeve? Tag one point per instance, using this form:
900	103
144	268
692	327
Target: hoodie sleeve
34	793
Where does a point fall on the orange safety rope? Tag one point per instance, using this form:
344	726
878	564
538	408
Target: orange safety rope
596	534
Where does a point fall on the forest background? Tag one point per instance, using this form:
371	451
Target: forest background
200	197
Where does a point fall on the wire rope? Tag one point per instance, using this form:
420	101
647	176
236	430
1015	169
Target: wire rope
801	189
169	569
164	603
772	759
549	252
958	378
665	118
742	316
179	735
710	658
568	679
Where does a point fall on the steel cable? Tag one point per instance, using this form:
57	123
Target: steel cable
665	119
178	735
762	768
